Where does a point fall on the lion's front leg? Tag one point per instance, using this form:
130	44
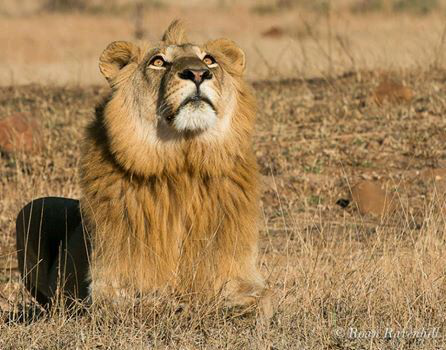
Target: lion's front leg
108	289
245	289
247	296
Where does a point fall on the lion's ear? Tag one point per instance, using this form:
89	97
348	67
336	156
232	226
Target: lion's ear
175	34
116	56
231	51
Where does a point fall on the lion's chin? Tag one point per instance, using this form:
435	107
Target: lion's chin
193	117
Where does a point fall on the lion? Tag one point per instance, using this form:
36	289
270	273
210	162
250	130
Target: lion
169	180
170	186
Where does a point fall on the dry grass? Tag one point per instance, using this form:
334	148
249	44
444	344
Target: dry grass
342	280
59	48
338	276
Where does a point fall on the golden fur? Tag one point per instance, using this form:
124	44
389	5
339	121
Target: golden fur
167	208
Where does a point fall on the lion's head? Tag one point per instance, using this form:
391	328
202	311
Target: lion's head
175	95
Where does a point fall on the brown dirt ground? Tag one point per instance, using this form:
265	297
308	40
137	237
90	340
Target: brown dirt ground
335	273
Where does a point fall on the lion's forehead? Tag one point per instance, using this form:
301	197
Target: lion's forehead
173	52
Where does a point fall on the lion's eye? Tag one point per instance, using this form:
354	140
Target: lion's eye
208	60
157	61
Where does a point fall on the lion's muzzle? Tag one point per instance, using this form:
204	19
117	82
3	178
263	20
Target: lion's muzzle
190	92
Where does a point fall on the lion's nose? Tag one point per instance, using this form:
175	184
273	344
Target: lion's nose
196	75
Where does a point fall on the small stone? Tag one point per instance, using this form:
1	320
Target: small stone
20	132
434	174
274	32
372	199
393	92
435	177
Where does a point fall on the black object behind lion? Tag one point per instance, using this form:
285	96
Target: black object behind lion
52	250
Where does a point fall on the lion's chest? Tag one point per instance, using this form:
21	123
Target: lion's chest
159	228
173	210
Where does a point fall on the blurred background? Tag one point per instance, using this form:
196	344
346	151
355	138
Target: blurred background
59	41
